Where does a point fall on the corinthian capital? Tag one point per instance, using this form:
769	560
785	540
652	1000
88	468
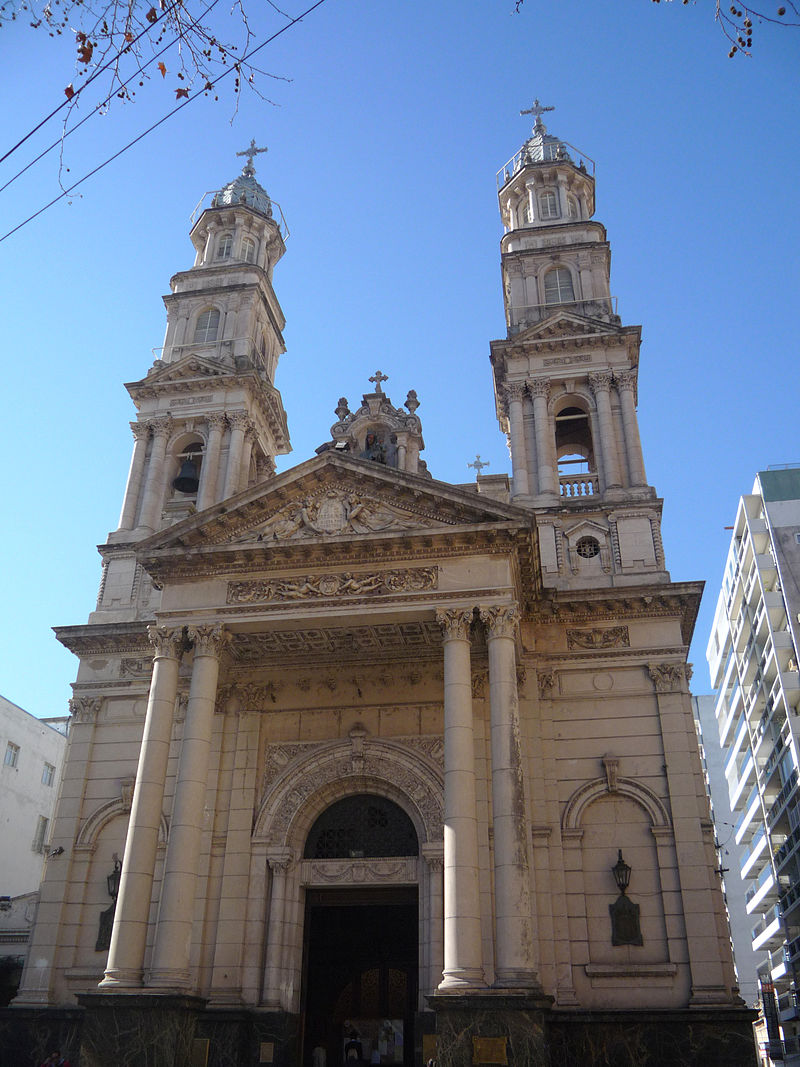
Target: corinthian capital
238	420
167	642
625	379
500	620
515	391
539	387
215	420
208	640
162	427
140	430
455	623
600	382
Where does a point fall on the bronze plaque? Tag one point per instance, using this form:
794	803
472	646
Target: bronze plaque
430	1048
267	1053
199	1052
489	1050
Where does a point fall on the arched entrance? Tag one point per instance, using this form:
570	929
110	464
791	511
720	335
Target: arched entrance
361	944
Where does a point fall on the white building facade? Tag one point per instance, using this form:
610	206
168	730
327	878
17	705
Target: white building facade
396	768
753	661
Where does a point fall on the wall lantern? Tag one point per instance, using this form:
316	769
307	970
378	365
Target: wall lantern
113	879
622	873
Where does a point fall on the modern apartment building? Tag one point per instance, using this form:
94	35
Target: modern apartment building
753	661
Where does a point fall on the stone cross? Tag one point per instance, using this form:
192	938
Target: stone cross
250	152
377	377
536	110
479	464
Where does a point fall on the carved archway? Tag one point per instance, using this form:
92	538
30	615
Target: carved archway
609	785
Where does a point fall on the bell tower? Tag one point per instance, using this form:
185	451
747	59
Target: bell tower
565	375
209	418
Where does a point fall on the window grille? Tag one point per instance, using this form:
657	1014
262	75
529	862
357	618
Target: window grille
361	827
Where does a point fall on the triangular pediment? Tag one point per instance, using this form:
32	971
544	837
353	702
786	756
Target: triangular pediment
188	368
566	324
335	498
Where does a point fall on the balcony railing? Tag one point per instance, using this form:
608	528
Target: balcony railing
546	152
788	788
577	485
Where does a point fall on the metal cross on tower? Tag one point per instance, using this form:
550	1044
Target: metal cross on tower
537	110
250	152
479	464
377	377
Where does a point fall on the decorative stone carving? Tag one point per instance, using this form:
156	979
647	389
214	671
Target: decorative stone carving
611	764
126	792
140	430
480	679
515	391
613	637
601	382
238	420
666	677
333	585
500	620
412	637
539	387
347	872
337	512
161	427
135	668
208	640
547	681
215	420
167	642
85	709
454	622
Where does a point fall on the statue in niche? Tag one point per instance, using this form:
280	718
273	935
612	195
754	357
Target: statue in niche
374	448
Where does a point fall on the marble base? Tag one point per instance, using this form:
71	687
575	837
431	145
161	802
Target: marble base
524	1031
238	1037
138	1030
28	1035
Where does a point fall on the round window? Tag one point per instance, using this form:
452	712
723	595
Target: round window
587	547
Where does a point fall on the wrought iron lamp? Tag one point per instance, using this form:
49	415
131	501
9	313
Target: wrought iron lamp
622	873
113	879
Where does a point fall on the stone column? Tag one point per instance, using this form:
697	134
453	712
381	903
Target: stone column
156	470
279	861
515	952
601	387
529	425
127	519
539	390
626	386
247	452
435	962
515	393
209	472
170	966
129	935
463	958
238	421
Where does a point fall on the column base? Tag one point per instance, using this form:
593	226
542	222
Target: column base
461	981
122	981
520	979
177	980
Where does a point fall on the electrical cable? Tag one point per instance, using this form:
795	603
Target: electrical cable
163	119
89	80
60	140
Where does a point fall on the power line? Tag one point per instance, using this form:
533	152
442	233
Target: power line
60	140
66	192
88	82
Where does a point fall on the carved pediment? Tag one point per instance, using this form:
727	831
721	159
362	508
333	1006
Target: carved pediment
188	368
564	324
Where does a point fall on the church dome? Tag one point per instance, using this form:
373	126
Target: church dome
244	190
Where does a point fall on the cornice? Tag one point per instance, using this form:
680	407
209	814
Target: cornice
94	639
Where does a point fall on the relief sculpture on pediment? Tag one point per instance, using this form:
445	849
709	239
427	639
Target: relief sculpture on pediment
336	513
415	579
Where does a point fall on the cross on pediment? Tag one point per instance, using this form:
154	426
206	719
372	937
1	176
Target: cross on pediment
479	464
377	377
250	153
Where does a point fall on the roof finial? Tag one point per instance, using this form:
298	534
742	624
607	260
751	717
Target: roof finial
536	110
377	377
249	170
479	464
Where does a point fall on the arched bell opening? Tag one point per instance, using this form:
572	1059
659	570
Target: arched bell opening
577	467
188	462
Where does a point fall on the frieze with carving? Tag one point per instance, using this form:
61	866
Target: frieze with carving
412	580
343	872
336	512
612	637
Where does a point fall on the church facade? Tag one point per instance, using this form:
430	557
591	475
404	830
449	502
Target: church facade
368	767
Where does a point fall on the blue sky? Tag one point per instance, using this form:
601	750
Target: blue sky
383	148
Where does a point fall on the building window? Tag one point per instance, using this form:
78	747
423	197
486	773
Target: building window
548	205
361	827
207	326
225	246
525	217
40	839
587	547
48	774
248	250
572	207
558	286
12	754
